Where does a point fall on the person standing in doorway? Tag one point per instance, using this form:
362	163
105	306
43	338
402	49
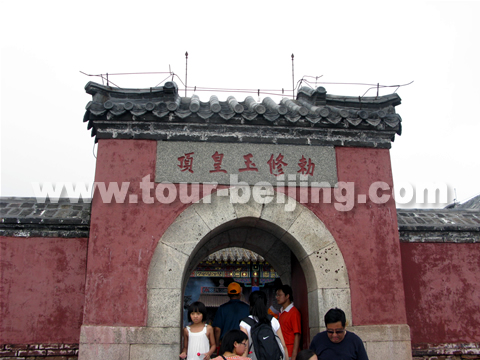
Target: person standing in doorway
198	338
336	343
290	320
270	347
229	315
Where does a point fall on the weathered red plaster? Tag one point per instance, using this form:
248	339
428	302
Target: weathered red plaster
123	236
42	285
442	291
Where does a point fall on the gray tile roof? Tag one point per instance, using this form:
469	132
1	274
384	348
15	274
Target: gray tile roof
473	204
145	114
438	220
27	217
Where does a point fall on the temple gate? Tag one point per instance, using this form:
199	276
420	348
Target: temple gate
309	177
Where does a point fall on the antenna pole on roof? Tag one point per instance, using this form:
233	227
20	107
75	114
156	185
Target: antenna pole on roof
186	63
293	79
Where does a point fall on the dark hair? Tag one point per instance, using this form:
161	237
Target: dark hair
229	340
335	315
198	306
258	306
287	290
305	354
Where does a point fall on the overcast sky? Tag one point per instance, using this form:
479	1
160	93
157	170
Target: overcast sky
45	45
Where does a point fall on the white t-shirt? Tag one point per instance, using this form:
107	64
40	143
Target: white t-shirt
275	326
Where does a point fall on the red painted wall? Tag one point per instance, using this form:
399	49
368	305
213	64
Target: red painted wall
123	238
42	285
442	291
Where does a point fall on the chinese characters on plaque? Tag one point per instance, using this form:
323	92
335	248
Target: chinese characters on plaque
276	165
203	162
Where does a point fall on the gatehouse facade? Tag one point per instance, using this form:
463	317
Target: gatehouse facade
305	183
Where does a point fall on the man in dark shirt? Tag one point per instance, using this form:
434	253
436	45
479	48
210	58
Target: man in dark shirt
228	315
336	343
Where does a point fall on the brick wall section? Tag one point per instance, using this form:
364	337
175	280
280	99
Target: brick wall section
39	351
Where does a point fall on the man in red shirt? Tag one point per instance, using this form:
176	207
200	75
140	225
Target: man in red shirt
290	320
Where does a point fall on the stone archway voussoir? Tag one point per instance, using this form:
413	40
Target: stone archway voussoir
166	268
164	307
326	269
250	209
279	217
215	210
184	234
307	234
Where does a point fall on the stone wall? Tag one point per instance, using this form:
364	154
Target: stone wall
459	351
39	351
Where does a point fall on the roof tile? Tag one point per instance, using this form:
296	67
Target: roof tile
312	108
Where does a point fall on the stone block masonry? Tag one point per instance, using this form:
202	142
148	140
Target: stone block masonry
452	351
39	351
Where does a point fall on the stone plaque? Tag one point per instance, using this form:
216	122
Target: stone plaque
230	164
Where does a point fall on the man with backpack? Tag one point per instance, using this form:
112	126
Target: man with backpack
264	334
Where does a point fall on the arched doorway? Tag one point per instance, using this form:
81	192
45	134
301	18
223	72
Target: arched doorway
208	282
215	223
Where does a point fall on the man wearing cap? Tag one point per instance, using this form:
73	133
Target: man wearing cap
228	315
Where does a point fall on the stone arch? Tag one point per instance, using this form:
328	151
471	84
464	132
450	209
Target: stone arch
201	229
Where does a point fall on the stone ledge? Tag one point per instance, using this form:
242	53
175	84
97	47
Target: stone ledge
420	350
39	351
231	134
456	237
29	231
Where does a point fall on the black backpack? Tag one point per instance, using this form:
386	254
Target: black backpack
266	344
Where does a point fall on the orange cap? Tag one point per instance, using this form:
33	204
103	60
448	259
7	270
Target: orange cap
234	288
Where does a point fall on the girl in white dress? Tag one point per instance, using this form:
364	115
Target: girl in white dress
198	338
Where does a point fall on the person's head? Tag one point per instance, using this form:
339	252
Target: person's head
234	290
284	295
234	341
335	321
306	354
197	312
258	306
